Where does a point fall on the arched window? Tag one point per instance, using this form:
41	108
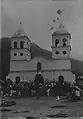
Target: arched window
21	44
57	42
64	41
38	66
15	44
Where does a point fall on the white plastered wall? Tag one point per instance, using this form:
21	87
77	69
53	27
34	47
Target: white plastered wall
68	75
50	75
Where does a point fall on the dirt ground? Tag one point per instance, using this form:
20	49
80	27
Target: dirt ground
45	107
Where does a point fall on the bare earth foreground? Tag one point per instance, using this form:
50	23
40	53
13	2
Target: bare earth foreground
46	107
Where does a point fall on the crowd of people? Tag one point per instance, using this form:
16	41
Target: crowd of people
39	87
49	88
29	89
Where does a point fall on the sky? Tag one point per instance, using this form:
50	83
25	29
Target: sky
35	16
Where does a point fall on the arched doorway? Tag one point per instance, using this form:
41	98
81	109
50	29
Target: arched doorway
17	80
61	79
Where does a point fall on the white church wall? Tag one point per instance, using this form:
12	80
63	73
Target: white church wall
18	55
25	65
68	75
60	51
13	76
46	65
57	65
29	76
50	75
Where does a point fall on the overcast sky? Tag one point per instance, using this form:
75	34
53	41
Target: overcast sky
37	14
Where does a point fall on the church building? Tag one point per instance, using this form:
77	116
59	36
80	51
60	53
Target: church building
23	66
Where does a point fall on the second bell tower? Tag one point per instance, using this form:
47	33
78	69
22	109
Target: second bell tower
61	48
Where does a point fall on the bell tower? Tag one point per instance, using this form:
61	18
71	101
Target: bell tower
20	46
61	50
61	47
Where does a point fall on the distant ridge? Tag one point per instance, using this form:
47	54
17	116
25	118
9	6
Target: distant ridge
37	51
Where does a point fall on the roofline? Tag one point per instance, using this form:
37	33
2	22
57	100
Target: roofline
61	34
21	48
67	33
34	70
61	59
61	47
20	37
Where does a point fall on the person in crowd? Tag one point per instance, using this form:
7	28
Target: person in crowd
59	87
9	87
38	80
4	88
17	86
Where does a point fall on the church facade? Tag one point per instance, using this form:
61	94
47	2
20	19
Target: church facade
23	66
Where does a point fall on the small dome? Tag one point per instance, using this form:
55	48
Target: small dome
61	30
19	32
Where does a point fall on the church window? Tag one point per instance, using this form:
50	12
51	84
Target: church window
57	52
64	44
15	54
57	42
38	66
21	54
64	52
21	44
64	40
15	44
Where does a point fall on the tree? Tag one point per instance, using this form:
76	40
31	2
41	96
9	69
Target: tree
4	57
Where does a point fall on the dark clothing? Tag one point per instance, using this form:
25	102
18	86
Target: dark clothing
37	81
37	92
59	89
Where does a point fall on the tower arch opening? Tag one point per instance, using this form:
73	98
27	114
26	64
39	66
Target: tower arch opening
57	42
64	41
15	44
21	44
